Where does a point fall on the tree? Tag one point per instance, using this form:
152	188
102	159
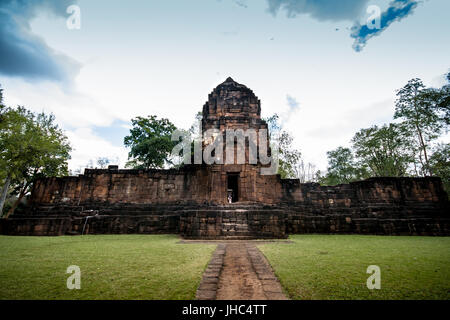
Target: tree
289	157
194	134
103	162
443	102
274	125
307	172
420	120
150	142
383	150
15	128
440	164
342	167
399	149
3	175
31	146
439	99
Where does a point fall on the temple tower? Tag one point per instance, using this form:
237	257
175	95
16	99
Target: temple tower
234	106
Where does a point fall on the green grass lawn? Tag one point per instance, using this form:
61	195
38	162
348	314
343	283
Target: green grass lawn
112	267
158	267
334	267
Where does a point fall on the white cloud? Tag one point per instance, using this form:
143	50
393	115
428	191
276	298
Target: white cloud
71	108
88	146
75	112
318	130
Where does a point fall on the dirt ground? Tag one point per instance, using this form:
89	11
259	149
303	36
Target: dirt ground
238	280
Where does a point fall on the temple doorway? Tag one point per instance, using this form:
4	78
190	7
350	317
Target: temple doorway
233	187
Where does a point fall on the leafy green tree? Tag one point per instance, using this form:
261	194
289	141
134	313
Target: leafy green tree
31	146
342	167
150	143
439	100
289	157
383	150
16	128
419	119
3	175
274	125
399	149
443	102
440	164
194	133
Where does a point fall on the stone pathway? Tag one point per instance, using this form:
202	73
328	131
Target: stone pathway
239	271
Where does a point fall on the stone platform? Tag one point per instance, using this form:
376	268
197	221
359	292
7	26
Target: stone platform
236	221
194	222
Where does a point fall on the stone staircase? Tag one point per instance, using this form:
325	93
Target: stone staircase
233	222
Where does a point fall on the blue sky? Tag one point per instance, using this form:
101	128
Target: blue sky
135	58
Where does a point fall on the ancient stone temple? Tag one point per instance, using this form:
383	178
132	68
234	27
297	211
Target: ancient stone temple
229	200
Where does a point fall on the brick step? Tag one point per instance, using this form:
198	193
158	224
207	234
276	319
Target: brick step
237	237
235	230
227	237
236	234
106	208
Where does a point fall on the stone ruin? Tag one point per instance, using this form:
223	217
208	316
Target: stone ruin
194	201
